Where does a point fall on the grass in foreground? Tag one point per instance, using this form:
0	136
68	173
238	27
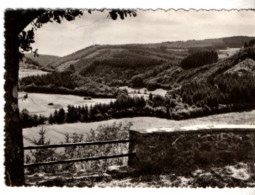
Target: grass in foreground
237	175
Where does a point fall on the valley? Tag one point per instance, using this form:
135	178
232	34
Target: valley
129	98
46	104
171	80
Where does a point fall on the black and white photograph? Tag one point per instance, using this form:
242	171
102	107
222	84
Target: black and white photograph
129	98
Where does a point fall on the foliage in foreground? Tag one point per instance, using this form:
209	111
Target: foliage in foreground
102	133
240	174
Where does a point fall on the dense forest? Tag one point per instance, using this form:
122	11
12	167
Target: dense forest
119	71
199	59
226	90
251	43
31	120
65	83
55	79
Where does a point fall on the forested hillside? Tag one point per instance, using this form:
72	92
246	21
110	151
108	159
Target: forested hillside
223	86
99	70
138	67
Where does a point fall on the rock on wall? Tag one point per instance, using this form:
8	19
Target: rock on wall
156	150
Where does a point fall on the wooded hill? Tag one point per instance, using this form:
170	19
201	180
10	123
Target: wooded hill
198	83
98	70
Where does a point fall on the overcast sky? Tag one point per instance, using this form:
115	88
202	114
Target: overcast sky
148	27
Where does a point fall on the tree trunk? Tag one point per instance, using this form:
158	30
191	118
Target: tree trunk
15	22
14	157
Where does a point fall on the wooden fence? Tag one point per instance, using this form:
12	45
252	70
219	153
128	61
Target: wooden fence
79	159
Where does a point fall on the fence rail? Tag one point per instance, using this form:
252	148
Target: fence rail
79	159
75	144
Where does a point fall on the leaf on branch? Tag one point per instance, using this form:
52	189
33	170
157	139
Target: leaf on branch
121	13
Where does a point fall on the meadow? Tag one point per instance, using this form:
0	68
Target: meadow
38	103
30	72
56	132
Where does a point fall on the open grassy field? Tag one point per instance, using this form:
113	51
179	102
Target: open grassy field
56	133
143	91
224	53
37	103
30	72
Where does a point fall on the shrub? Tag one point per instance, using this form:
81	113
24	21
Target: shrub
151	86
102	133
137	82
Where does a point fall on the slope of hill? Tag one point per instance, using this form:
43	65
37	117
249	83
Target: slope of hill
115	65
170	74
98	67
42	59
29	61
218	43
246	66
89	55
31	65
156	49
100	77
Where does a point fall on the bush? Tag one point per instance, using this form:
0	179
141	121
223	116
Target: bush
102	133
151	86
137	82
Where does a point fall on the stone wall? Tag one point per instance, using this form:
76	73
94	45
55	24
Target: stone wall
191	148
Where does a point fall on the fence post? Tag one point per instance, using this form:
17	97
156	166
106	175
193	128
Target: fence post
132	148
